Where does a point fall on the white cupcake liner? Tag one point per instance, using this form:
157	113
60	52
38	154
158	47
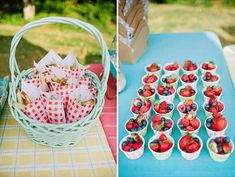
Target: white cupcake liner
209	114
186	98
154	84
205	83
183	114
175	84
134	154
169	114
206	98
203	71
166	98
169	131
146	114
193	84
182	132
140	132
194	155
195	72
218	157
158	73
161	155
175	72
215	133
151	98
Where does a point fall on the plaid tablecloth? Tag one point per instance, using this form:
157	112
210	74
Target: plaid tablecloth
20	156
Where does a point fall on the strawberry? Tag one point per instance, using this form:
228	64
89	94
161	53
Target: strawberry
156	107
153	67
160	89
169	124
147	93
165	146
137	146
169	79
227	148
209	77
185	122
150	79
188	102
126	148
182	108
138	104
185	78
144	109
184	141
195	123
220	123
162	137
163	104
185	93
220	106
129	126
156	118
189	65
155	146
171	90
163	111
147	87
148	103
192	147
190	128
211	65
218	90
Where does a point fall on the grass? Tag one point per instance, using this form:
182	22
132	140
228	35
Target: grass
182	18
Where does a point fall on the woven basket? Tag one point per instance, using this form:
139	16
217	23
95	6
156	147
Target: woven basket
58	135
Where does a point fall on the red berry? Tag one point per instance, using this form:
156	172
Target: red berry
162	137
184	141
165	146
192	147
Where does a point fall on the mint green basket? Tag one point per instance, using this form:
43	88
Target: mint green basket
58	135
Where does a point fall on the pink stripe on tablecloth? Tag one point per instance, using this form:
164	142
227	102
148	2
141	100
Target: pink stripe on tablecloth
108	117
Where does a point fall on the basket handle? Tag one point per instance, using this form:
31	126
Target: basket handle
65	20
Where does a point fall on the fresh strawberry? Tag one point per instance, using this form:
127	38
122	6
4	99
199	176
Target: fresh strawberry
220	123
165	90
172	67
184	141
185	122
150	79
160	89
227	148
144	109
163	107
147	87
162	144
165	146
169	79
189	65
153	67
192	147
138	104
218	90
195	123
208	65
182	108
126	148
155	147
129	126
156	118
162	137
208	77
190	128
187	91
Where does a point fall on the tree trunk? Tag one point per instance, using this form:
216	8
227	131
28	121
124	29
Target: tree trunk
29	9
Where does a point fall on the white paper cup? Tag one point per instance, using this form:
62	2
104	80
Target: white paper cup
166	98
158	73
169	114
175	84
134	154
186	98
140	132
151	98
193	84
206	98
206	83
169	131
161	155
219	157
194	155
209	114
190	72
146	114
182	132
203	71
183	114
175	72
215	133
154	84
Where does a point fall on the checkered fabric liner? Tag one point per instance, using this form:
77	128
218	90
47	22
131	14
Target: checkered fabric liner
19	156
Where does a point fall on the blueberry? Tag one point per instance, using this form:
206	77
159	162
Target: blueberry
213	87
209	120
204	92
214	103
140	91
133	130
139	104
144	122
207	107
140	124
181	125
188	108
165	129
143	126
184	128
155	141
194	106
164	79
220	148
196	139
170	107
128	139
163	119
166	88
167	121
204	78
192	91
195	78
139	128
124	143
132	149
131	120
159	141
136	112
152	90
226	139
208	78
165	92
217	140
208	125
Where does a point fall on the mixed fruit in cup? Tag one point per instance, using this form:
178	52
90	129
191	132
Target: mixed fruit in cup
150	79
213	106
187	92
154	68
216	125
161	124
169	79
142	107
164	108
137	125
147	92
186	107
208	66
172	68
220	147
189	124
166	92
189	79
190	67
209	79
212	92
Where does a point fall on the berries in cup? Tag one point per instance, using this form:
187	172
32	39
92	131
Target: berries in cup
147	92
189	67
172	68
187	93
154	68
220	147
162	124
161	146
212	92
141	107
208	67
189	80
190	146
132	146
137	125
189	124
209	79
216	125
213	106
168	79
187	107
164	108
150	79
166	92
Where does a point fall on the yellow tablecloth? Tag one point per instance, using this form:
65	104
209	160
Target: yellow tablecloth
19	156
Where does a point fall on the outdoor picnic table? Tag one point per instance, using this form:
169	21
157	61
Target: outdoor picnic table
164	48
20	156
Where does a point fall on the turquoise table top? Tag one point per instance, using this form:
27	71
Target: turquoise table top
163	48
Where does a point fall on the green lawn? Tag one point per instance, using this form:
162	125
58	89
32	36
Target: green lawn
181	18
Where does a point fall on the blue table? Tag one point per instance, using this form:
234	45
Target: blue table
164	48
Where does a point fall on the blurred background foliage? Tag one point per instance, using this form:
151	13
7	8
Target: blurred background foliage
61	38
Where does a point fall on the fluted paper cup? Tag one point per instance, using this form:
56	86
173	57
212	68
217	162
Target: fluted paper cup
209	114
206	98
140	132
158	73
206	83
166	98
203	71
190	72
